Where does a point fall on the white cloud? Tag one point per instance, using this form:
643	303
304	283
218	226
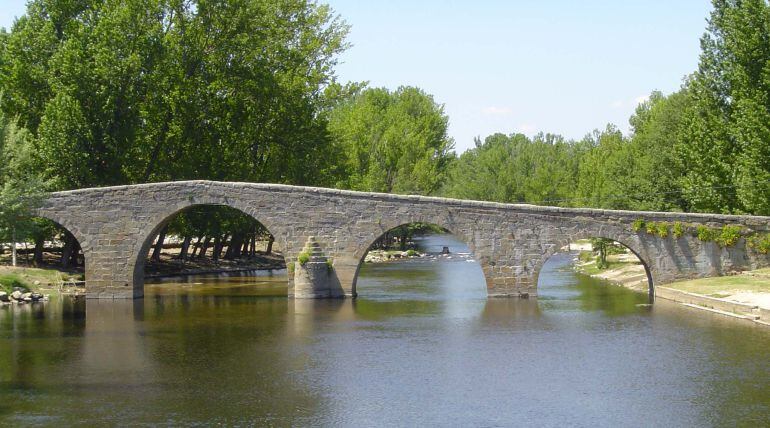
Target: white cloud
497	111
526	128
641	99
631	103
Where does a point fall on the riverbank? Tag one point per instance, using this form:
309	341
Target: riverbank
745	295
381	256
40	281
624	269
170	266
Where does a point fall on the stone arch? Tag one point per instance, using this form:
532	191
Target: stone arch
159	221
388	225
627	240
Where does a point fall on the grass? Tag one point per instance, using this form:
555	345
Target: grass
26	277
723	286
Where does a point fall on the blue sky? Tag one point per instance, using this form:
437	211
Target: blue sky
559	66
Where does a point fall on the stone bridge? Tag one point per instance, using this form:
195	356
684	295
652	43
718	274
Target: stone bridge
117	225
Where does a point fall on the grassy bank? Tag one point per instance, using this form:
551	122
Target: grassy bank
34	279
756	281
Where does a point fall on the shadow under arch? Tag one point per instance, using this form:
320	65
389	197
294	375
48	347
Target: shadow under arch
373	238
50	235
149	239
623	242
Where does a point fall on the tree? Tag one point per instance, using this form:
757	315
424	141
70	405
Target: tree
21	190
393	141
515	168
120	92
726	141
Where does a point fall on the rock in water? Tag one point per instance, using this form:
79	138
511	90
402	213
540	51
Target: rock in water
4	297
16	295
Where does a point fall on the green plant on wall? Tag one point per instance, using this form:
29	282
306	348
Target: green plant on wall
729	235
706	234
760	242
330	263
662	229
651	227
637	225
678	229
303	258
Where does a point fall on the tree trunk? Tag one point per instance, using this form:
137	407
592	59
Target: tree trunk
404	233
185	248
219	244
39	244
13	246
196	247
159	245
234	248
245	246
75	253
270	241
204	247
66	254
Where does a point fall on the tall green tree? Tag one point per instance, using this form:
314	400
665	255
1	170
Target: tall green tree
119	92
21	188
393	141
726	140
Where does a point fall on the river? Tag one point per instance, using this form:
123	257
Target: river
420	346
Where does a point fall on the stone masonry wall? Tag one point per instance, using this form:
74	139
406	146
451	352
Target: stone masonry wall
116	226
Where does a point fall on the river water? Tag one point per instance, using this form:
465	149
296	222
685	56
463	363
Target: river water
421	346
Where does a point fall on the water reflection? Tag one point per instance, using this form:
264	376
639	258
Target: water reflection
421	346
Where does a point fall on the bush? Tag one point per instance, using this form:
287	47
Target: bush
330	264
651	227
411	253
8	282
585	256
601	264
729	236
678	229
637	225
707	234
760	243
303	258
662	229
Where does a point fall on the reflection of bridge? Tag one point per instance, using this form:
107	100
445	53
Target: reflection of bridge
116	226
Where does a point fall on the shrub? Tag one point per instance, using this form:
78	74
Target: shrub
662	229
330	264
651	227
637	225
9	281
585	256
411	253
729	236
678	229
303	258
601	264
707	234
760	243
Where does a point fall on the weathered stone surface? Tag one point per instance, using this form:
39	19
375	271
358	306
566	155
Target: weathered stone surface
116	225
